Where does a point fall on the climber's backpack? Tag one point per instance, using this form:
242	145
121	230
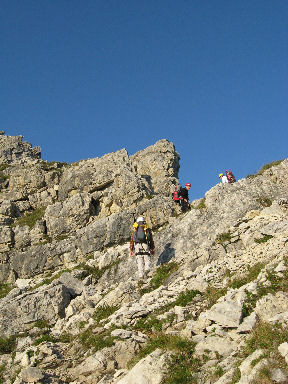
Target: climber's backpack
230	177
141	234
175	194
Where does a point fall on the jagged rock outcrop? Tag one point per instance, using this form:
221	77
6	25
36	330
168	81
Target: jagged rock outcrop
14	150
214	309
93	202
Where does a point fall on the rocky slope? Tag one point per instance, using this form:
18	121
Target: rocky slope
214	310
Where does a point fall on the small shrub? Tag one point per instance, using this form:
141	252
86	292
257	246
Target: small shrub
7	344
65	338
31	218
263	239
30	353
269	165
223	238
104	311
264	201
236	377
186	297
4	166
182	366
42	324
3	177
2	370
162	273
4	289
219	371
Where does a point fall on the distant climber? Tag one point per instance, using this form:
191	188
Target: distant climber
142	246
184	198
223	178
175	194
229	178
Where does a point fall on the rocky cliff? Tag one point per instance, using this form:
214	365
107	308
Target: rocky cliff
214	309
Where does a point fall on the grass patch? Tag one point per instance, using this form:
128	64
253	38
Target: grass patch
181	365
201	204
162	273
212	294
148	324
7	344
104	311
95	272
252	274
265	336
219	371
264	168
53	166
49	280
30	218
45	337
277	283
236	377
263	239
4	289
95	342
61	237
186	297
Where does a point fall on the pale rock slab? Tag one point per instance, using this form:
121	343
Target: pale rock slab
149	370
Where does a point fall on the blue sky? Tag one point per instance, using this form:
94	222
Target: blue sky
85	78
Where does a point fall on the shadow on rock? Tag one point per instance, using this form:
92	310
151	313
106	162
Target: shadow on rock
167	254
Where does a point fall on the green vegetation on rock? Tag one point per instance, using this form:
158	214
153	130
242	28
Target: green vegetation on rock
162	274
7	344
30	218
264	168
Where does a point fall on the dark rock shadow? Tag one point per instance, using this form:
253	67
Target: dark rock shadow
166	255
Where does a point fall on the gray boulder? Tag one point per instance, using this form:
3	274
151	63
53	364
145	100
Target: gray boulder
20	310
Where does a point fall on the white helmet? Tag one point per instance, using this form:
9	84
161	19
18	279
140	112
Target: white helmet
140	219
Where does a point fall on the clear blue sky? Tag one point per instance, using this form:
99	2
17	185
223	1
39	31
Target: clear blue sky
85	78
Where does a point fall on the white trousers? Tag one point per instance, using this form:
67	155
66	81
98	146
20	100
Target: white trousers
142	258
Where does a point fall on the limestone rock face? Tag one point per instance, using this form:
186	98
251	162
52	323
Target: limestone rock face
65	265
150	370
13	149
66	217
159	165
18	310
